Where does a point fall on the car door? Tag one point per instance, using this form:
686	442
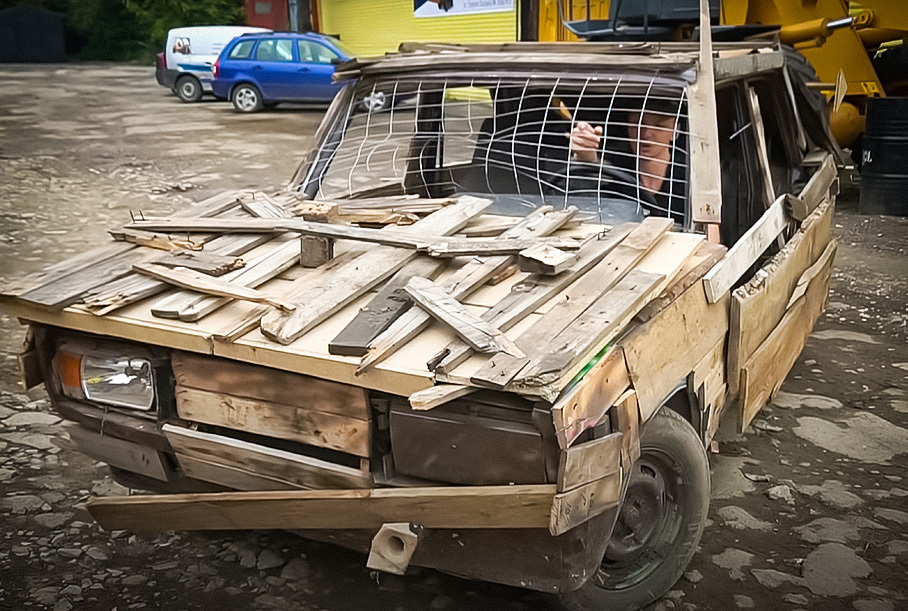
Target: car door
316	71
275	68
781	203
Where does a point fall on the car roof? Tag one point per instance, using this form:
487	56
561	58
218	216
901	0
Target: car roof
312	35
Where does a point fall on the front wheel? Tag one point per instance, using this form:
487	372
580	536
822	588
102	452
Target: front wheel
659	524
247	98
188	89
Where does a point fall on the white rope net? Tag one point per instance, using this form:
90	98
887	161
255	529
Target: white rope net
510	139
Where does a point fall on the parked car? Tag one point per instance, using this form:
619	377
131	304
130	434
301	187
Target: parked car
189	53
523	397
260	70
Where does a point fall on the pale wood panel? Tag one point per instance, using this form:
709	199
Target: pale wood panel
589	461
278	420
522	506
117	452
574	507
231	476
296	469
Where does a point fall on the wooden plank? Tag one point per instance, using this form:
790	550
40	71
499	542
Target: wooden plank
231	476
703	260
462	283
260	205
811	272
191	306
705	181
601	322
293	422
117	452
758	306
574	507
438	395
765	371
485	247
745	252
208	263
529	294
589	461
347	283
544	259
663	351
187	279
482	336
584	405
388	304
295	469
520	506
161	241
219	375
501	369
315	251
769	192
822	185
627	421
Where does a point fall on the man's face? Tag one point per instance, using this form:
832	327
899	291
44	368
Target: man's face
650	133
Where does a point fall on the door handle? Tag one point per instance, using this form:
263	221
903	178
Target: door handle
304	70
257	68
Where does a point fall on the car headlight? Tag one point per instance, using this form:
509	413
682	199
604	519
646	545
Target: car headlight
105	376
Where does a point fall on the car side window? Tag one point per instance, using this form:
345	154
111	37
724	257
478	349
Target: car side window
275	50
315	53
742	202
242	50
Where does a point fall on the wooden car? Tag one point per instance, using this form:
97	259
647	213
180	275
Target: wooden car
462	338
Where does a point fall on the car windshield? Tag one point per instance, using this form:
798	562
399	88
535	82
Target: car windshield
614	147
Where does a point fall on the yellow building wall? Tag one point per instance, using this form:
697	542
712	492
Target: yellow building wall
374	27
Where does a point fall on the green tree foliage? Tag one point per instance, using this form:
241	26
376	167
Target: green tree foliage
159	16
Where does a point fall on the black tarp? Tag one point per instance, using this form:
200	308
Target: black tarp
30	34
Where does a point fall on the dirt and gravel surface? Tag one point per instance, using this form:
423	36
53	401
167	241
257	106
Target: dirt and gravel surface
810	506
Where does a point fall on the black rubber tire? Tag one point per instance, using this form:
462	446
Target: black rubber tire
671	456
246	97
188	89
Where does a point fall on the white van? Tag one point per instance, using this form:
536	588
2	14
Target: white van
185	64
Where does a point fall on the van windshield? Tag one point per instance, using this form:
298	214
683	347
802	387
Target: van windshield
615	148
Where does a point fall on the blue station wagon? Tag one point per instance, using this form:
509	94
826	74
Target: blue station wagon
256	71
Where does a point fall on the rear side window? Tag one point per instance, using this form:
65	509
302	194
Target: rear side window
280	50
242	50
312	52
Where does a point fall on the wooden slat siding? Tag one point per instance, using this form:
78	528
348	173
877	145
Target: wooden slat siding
191	306
663	351
230	377
704	258
206	262
117	452
262	206
391	302
433	243
574	507
438	395
583	406
811	272
186	278
589	461
544	259
763	374
388	304
317	303
528	294
296	423
437	302
161	241
745	252
501	369
211	206
821	185
627	421
295	469
520	506
709	378
462	283
571	349
758	306
237	478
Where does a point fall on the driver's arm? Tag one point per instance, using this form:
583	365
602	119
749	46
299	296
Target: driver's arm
585	141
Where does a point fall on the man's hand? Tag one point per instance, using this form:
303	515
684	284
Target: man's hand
585	140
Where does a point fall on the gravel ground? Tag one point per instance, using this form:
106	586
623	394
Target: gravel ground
810	506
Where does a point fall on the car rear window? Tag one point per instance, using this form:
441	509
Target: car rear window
280	50
242	50
315	53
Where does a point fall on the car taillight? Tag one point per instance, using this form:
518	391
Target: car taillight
215	68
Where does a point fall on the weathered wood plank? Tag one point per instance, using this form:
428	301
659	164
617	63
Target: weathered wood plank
293	422
295	470
161	241
501	369
529	294
746	251
481	336
822	185
703	260
462	283
316	303
520	506
589	461
574	507
544	259
208	263
438	395
186	278
593	329
705	180
118	452
260	205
